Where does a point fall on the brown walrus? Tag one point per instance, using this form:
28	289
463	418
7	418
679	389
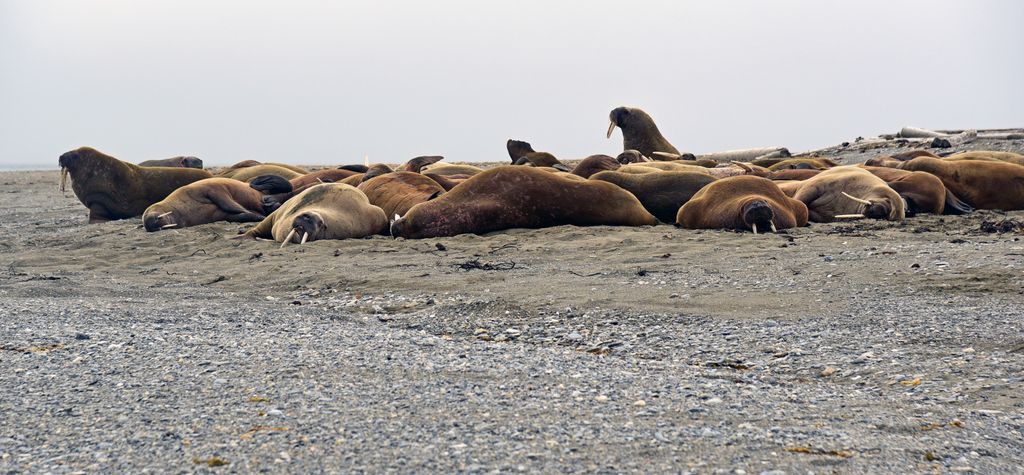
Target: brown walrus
639	132
521	197
819	163
180	162
981	184
205	201
396	192
741	203
1008	157
416	164
248	173
923	192
113	189
792	174
848	191
522	153
451	169
912	154
273	184
517	149
323	211
593	164
253	163
661	193
447	181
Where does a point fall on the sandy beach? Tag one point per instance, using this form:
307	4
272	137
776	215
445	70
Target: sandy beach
859	347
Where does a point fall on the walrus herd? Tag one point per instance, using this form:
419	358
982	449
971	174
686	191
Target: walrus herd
650	182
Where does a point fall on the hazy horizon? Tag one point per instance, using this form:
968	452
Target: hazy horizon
318	82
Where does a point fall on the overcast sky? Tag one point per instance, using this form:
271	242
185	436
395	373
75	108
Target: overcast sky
327	82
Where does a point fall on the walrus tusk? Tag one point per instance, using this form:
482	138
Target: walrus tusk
165	214
673	156
63	177
859	200
849	216
171	225
772	223
287	239
754	227
611	128
742	165
305	236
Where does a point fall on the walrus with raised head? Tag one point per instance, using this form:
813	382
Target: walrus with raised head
323	211
639	132
981	184
205	201
521	197
662	193
113	189
742	203
397	192
849	191
180	162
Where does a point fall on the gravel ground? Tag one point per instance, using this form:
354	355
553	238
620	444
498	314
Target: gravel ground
862	347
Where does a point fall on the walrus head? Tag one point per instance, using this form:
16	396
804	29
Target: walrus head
883	161
305	226
758	214
192	162
156	218
877	208
627	117
77	160
631	156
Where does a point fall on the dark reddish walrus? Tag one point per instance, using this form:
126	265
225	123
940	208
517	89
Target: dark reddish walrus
521	197
741	203
114	189
397	192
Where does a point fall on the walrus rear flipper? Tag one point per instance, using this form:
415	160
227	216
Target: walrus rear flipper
417	164
270	184
518	148
954	205
355	168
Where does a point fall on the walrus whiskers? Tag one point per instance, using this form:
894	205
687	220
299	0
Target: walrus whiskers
287	239
611	128
859	200
305	236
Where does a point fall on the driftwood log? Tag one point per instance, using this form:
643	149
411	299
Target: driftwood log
746	155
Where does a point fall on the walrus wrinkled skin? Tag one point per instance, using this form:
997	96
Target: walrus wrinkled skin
923	192
521	197
323	211
981	184
594	164
397	192
246	174
639	132
865	194
180	162
205	201
792	174
661	193
113	189
447	181
742	203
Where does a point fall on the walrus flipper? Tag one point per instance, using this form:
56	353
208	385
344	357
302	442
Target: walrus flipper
270	184
954	205
518	148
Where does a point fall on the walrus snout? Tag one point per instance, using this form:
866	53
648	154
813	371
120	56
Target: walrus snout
758	214
631	156
192	162
155	220
878	210
397	223
308	225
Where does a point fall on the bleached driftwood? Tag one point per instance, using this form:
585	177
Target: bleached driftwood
916	133
746	155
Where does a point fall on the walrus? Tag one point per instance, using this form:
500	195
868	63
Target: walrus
248	173
396	192
447	181
912	154
1008	157
631	156
451	169
737	168
180	162
521	197
542	159
113	189
662	193
253	163
981	184
273	184
517	149
677	166
593	164
639	132
923	192
416	164
848	191
205	201
792	174
818	163
741	203
322	211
